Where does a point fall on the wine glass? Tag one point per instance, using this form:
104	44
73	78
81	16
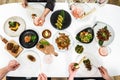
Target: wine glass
48	59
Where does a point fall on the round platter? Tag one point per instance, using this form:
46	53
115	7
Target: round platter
30	33
66	19
18	23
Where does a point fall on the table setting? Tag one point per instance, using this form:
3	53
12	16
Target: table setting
89	39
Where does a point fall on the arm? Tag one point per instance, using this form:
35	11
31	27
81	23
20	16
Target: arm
72	71
48	7
50	4
13	65
39	21
3	72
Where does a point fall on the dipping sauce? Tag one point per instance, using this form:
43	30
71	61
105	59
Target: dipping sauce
103	51
31	58
46	33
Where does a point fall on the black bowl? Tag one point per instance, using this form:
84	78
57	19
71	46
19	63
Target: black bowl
31	43
66	22
90	31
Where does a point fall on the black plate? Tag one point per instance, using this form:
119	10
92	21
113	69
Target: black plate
31	43
90	30
66	22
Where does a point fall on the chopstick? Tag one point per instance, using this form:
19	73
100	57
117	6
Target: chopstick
86	14
81	60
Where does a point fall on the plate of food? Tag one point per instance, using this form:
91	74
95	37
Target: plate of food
62	41
104	33
28	38
60	19
34	10
14	26
29	59
87	65
85	35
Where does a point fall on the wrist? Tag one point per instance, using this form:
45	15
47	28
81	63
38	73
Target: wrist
71	77
7	69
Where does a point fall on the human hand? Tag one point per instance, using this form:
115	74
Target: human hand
42	76
39	21
13	65
104	73
24	3
77	12
72	71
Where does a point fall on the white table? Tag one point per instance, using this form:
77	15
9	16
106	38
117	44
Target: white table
59	68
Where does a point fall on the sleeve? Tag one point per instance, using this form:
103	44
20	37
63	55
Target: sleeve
50	4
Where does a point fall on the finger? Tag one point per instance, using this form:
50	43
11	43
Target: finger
101	70
70	66
39	76
44	75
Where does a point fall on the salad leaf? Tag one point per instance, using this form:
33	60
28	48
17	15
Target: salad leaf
33	38
44	42
101	42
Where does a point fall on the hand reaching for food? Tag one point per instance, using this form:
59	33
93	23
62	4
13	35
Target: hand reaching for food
77	12
39	21
72	71
104	73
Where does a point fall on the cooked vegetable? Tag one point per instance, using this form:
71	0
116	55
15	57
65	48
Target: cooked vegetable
11	24
33	38
60	19
79	49
87	64
101	42
63	41
14	25
76	66
44	42
31	58
84	36
103	35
